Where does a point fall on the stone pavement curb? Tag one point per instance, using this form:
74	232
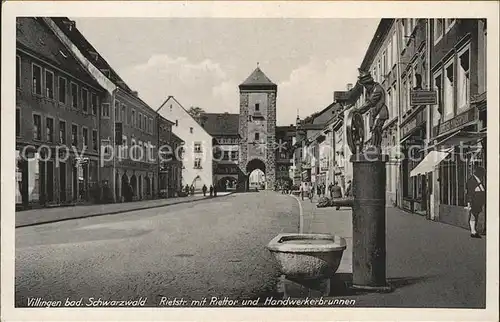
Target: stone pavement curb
116	211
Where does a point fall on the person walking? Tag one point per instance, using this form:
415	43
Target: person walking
211	190
336	192
215	191
330	189
302	190
204	189
348	189
476	199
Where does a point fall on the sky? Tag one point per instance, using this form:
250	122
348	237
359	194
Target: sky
201	61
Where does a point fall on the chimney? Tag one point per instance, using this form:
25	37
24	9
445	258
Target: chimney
135	93
349	86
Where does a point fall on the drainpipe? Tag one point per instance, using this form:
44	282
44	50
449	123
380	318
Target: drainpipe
399	196
429	182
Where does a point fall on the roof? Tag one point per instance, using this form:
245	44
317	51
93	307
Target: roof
170	97
258	79
220	123
176	138
34	36
88	51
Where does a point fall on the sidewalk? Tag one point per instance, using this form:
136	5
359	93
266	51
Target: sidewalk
48	215
429	264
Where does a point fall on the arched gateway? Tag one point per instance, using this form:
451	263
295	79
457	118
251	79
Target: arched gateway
257	128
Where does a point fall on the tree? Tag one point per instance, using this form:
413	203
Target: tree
196	111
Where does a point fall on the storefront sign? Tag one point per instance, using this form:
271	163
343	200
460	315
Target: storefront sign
423	97
415	122
456	122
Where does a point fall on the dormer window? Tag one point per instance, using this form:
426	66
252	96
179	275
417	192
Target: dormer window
190	130
257	107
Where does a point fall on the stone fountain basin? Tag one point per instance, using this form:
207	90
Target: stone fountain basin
307	256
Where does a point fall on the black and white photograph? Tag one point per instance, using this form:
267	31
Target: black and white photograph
184	157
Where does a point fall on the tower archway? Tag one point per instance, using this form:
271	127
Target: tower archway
256	174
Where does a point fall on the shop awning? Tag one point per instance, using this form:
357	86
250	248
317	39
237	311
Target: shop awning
432	159
457	138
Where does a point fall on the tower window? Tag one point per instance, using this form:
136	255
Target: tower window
257	107
191	130
257	136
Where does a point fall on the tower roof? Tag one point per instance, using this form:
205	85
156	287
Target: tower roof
257	79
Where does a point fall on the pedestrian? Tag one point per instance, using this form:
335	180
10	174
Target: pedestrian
318	190
186	189
302	191
336	192
211	190
348	189
215	191
192	190
476	199
204	189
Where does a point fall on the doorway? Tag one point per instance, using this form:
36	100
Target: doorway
50	181
62	182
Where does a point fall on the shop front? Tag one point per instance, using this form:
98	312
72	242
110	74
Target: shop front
414	188
459	147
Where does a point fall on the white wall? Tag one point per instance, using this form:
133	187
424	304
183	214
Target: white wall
183	123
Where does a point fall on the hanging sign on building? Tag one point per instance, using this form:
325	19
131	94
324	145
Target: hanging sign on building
423	97
415	122
118	133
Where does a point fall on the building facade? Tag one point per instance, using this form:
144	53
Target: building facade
57	120
285	136
257	128
167	160
197	167
128	132
458	121
223	127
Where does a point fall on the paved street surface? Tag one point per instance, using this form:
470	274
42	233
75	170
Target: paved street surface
214	247
45	215
430	264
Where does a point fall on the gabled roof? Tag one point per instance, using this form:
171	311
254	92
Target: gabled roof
36	38
170	97
89	51
176	138
220	123
259	79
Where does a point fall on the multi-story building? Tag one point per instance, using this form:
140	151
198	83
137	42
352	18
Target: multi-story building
223	127
457	124
285	136
197	164
383	62
167	153
57	120
413	51
127	127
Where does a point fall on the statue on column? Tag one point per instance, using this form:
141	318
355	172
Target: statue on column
375	104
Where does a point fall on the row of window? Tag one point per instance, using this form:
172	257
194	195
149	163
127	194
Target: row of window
140	151
452	81
50	131
44	84
129	117
441	27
